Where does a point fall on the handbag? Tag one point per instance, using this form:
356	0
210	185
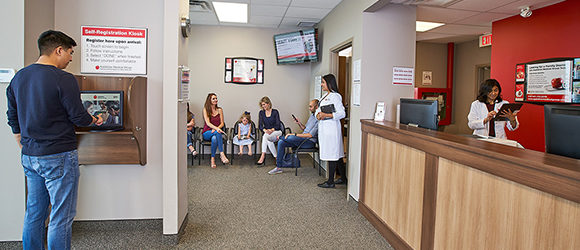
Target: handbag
290	160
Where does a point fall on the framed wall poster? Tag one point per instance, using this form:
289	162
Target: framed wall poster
551	80
113	50
244	70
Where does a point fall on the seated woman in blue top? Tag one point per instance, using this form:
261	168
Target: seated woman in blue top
269	123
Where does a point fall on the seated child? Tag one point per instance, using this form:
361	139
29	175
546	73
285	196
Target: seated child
243	136
190	125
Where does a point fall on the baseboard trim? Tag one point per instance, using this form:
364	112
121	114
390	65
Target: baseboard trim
173	239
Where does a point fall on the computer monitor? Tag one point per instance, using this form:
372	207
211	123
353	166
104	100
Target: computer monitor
419	112
562	131
107	104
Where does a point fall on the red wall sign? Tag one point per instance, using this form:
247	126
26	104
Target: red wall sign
485	40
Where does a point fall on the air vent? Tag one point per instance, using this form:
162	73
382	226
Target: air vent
438	3
306	24
199	6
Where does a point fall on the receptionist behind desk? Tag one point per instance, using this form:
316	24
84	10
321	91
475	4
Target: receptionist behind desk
484	110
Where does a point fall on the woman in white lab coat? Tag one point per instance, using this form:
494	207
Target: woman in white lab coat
330	131
485	108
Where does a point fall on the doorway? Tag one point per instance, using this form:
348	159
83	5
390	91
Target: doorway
341	61
482	72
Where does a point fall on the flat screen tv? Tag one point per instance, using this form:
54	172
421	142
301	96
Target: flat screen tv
562	130
107	104
419	113
296	47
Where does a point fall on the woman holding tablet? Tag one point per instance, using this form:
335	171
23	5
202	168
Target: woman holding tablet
329	113
483	116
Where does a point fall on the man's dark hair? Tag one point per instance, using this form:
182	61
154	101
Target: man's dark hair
51	39
486	87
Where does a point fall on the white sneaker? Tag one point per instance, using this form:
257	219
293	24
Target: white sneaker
276	170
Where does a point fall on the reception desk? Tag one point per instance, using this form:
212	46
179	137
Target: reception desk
426	189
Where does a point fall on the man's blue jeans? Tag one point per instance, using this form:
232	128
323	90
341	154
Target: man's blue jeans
216	141
291	141
51	179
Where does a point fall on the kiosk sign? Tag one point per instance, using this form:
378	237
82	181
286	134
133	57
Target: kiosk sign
108	50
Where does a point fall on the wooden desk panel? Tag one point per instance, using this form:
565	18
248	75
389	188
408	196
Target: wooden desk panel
482	211
476	194
395	193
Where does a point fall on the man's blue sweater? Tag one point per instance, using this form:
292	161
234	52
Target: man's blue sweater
43	106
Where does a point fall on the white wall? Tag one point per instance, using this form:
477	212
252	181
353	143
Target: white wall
39	18
344	23
123	191
11	173
286	85
174	119
388	41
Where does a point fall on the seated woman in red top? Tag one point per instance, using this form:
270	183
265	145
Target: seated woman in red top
212	130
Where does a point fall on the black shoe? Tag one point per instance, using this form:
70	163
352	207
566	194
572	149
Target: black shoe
326	185
339	181
263	163
322	184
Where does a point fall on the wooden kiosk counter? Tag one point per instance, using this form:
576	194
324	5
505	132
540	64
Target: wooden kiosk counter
426	189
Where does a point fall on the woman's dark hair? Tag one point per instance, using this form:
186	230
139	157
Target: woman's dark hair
331	82
51	39
486	87
207	105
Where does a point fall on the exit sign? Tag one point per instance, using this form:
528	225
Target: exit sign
485	40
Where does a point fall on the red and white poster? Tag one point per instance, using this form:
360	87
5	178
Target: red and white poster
549	82
403	75
113	50
520	73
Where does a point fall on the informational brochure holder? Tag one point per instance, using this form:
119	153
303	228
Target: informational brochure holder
380	111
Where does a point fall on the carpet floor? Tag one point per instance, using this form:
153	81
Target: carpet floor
241	206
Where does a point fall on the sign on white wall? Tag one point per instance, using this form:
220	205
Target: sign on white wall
109	50
403	75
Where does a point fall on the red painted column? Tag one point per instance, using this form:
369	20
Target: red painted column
450	60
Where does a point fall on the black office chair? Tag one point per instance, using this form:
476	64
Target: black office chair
203	143
234	132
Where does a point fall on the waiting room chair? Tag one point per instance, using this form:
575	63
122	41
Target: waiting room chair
234	132
203	143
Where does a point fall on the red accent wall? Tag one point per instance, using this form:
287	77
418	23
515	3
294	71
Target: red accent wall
552	31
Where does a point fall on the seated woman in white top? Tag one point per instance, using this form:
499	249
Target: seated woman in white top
484	110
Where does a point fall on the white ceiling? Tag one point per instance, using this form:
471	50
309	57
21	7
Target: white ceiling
465	19
272	13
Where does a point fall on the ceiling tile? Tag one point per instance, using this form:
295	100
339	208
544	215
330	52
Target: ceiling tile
479	5
430	35
307	12
267	10
515	7
458	29
265	20
322	4
207	18
232	1
437	14
483	19
272	2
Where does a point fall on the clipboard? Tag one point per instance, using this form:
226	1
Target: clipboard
329	109
511	106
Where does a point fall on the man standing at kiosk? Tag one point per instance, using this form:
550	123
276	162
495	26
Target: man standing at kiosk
43	106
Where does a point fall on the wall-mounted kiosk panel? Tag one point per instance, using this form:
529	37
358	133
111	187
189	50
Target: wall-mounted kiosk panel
126	146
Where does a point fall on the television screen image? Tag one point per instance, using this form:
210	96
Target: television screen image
108	105
296	47
419	112
562	130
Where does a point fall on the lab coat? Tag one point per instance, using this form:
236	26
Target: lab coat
330	131
478	112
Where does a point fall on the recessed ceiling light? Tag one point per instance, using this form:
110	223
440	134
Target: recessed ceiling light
231	12
425	26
